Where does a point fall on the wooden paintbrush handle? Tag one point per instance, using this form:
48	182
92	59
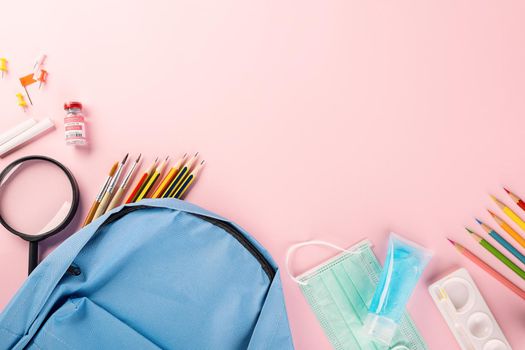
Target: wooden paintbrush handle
103	205
115	202
91	213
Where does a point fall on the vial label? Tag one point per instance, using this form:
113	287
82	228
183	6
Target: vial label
75	130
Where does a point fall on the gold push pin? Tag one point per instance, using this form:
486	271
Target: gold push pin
3	66
21	101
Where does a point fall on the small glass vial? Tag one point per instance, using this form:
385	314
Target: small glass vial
74	124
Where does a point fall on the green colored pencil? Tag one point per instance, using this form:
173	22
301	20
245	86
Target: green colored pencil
494	251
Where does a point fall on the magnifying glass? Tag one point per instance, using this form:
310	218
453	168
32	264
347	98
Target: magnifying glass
39	197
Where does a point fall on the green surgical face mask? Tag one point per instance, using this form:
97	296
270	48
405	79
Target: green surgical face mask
339	292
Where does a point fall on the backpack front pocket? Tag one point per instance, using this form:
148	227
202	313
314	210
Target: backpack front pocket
72	327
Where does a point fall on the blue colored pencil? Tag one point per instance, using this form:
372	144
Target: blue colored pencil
502	241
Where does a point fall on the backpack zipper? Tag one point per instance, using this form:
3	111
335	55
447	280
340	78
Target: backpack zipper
227	227
232	230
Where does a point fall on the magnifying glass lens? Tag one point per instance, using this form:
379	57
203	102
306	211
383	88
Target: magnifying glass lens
35	197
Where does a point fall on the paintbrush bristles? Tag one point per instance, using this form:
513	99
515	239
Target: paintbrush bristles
113	169
125	159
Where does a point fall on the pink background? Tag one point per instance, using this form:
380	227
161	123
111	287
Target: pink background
334	120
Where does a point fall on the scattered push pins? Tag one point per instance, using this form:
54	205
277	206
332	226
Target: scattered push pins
39	74
3	66
21	101
42	78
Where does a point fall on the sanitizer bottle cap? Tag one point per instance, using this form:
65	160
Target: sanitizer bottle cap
380	328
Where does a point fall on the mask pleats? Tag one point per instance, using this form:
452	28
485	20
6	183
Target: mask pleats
340	292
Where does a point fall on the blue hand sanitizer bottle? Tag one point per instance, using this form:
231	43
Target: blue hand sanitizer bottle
405	261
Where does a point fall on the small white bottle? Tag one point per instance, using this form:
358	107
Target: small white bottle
74	124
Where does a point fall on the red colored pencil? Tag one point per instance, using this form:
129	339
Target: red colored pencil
140	184
476	260
516	199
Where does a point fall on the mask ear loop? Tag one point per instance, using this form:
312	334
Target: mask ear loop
293	248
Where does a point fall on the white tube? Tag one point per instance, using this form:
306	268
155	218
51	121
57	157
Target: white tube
26	136
16	130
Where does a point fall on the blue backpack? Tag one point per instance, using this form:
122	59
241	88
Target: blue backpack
158	274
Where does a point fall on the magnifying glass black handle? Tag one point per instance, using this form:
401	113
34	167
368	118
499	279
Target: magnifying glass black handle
33	256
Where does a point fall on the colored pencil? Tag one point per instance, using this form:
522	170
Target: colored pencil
152	179
510	213
115	201
515	199
476	260
169	177
98	198
140	184
189	181
109	191
515	235
499	255
502	241
181	175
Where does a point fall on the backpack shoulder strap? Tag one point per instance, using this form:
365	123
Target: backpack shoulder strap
272	330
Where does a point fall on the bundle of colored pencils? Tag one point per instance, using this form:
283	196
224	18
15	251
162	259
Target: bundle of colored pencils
175	183
508	246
